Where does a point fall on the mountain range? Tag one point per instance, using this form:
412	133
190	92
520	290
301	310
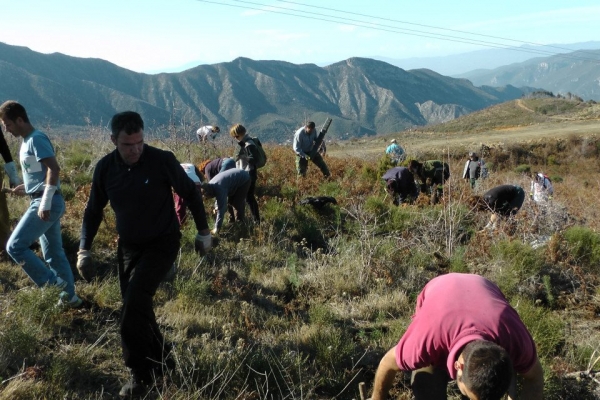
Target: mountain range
272	98
577	73
459	65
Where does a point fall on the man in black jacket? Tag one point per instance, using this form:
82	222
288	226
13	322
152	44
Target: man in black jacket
138	180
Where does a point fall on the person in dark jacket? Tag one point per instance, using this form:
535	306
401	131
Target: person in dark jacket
502	201
138	180
400	184
213	167
245	159
432	174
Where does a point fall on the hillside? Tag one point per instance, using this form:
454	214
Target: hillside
364	96
575	73
518	121
304	305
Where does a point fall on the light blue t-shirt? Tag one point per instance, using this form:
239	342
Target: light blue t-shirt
35	147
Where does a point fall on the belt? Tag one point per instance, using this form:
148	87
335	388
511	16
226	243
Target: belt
37	195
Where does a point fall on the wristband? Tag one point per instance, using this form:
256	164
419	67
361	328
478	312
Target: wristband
46	202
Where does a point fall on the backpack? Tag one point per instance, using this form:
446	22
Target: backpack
262	156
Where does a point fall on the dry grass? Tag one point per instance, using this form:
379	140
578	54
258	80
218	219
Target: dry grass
304	305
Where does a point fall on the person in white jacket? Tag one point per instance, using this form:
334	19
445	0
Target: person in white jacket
541	188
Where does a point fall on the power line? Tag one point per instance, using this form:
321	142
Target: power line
423	25
392	29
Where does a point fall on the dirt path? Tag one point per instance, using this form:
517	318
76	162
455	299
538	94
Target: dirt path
371	148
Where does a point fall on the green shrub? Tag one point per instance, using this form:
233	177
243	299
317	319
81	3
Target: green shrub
523	169
18	342
515	262
584	247
546	328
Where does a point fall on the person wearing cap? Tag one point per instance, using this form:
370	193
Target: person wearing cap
180	205
138	181
472	170
304	140
463	329
207	131
395	152
229	189
41	182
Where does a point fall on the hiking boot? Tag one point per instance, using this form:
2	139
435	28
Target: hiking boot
64	301
133	389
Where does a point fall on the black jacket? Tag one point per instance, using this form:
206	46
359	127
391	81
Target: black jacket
141	197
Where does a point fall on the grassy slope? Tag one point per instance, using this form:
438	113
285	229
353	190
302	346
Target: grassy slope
304	305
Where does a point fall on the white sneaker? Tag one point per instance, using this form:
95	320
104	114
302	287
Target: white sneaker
60	283
65	302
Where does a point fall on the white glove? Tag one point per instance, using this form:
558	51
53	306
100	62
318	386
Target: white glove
203	244
11	171
85	265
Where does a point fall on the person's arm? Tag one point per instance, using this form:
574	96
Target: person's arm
252	152
384	377
52	174
533	383
297	145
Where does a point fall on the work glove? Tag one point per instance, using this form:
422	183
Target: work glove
203	244
11	171
85	265
213	231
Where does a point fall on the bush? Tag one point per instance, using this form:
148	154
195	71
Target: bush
584	248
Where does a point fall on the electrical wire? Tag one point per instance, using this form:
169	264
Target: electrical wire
392	29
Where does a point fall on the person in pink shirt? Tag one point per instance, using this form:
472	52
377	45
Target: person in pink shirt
463	329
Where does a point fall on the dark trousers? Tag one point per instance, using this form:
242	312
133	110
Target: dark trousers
141	269
251	198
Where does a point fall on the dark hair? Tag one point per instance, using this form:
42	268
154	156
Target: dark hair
488	369
12	110
128	121
414	166
310	125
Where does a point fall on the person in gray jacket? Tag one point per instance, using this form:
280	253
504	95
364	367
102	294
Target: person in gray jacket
304	139
229	188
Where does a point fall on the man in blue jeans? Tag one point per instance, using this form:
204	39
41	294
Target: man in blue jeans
42	218
138	180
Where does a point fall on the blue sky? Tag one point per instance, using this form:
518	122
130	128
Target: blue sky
171	35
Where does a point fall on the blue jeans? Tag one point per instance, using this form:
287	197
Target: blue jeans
30	228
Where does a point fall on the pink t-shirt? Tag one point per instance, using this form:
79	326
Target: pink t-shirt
455	309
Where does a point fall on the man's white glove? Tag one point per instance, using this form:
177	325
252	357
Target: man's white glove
85	265
11	171
203	244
